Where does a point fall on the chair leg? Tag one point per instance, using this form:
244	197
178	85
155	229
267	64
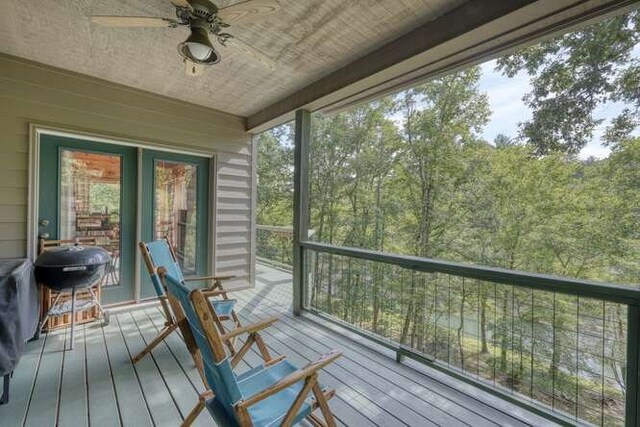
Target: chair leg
191	417
243	350
309	384
321	401
264	351
157	340
316	421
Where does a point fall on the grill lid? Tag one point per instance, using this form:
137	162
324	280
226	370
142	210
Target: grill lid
73	255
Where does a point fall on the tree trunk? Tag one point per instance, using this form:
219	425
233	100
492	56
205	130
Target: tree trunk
461	326
483	321
503	336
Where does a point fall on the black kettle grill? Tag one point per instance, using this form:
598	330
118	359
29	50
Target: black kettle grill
68	269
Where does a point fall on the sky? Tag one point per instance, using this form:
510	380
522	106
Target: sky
505	99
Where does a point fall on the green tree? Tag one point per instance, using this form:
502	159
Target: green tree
439	118
572	75
275	177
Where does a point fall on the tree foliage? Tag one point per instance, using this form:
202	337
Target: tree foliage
410	174
572	75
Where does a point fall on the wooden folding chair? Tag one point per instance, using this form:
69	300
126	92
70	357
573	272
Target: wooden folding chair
159	253
275	393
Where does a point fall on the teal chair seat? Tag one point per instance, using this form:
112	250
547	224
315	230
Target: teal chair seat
232	391
158	255
273	409
223	308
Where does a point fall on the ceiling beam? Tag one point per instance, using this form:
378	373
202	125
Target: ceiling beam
475	32
459	21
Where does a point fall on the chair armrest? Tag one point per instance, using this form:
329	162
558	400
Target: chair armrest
208	278
213	293
216	292
292	378
254	327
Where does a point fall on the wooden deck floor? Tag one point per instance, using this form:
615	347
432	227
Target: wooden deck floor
97	385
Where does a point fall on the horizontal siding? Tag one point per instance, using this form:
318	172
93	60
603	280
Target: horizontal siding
35	93
13	248
233	234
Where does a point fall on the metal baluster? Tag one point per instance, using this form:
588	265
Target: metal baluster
513	327
495	328
428	284
553	356
478	332
604	344
435	316
462	326
449	320
533	343
577	352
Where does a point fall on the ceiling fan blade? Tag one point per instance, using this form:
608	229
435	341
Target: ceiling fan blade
181	3
131	21
254	54
248	10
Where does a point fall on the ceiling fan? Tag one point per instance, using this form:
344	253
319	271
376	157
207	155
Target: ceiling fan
202	17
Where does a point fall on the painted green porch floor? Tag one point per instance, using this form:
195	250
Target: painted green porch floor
97	385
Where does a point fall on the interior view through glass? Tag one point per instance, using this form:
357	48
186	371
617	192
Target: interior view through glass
90	202
175	212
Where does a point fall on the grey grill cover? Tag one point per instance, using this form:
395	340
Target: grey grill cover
19	310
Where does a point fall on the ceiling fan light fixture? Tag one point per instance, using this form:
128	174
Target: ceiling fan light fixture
198	49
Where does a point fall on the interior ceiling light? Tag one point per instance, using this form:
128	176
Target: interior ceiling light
202	18
198	49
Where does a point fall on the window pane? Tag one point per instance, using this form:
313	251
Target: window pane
175	213
90	202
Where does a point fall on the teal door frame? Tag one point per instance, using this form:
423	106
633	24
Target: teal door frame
50	150
40	170
147	232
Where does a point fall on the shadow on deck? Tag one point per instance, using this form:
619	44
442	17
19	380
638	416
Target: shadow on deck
97	385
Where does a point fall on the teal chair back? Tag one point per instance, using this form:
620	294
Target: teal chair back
220	376
162	255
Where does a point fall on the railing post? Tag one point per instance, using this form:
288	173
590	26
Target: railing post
632	416
300	205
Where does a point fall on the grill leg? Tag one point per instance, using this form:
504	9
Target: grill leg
5	389
103	312
73	314
46	318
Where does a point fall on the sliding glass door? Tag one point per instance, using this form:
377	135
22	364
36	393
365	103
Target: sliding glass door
175	205
87	193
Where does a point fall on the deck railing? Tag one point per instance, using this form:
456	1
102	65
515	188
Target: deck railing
566	349
275	245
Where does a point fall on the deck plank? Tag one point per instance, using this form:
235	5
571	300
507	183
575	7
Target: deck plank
131	401
73	391
351	390
24	377
43	409
179	352
159	401
361	359
103	408
97	385
465	395
432	406
182	391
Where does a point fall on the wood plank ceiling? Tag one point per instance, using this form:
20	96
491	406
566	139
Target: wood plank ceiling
304	41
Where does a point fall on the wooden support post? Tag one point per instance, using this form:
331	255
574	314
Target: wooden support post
300	205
